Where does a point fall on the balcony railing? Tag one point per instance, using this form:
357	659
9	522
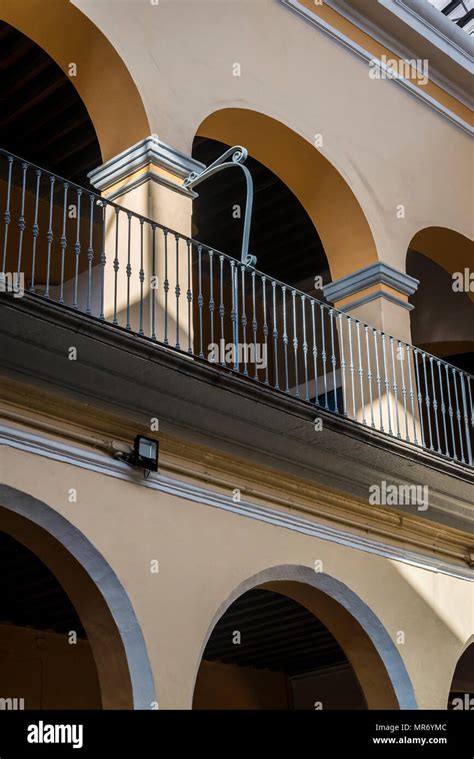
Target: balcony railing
66	244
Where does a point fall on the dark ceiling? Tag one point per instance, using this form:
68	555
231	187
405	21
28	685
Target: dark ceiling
42	117
283	236
277	633
30	595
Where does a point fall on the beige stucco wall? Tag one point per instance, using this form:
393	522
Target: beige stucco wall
391	148
205	553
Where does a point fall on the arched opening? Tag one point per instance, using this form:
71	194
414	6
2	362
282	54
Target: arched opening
461	693
49	225
442	322
443	313
43	118
46	661
321	190
269	652
92	64
69	637
291	638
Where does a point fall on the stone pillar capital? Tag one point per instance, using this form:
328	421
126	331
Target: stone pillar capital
147	160
377	281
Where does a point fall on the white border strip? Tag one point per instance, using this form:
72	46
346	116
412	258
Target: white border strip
364	54
107	465
425	29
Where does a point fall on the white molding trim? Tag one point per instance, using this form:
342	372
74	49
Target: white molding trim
383	38
102	464
367	57
435	27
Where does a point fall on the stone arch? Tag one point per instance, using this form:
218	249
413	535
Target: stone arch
321	189
371	652
102	80
103	606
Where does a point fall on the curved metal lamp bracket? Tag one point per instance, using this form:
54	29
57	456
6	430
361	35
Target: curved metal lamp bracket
237	157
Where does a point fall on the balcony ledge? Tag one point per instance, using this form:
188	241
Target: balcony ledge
137	379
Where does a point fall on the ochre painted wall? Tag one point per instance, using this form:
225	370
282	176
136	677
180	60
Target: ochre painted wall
227	686
45	670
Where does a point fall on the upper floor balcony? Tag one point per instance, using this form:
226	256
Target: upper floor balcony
67	249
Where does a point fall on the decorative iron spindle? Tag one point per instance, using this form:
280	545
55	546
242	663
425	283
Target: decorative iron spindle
7	214
324	356
285	339
275	338
221	304
212	305
200	301
265	326
128	268
378	379
103	258
21	221
254	326
343	365
177	291
154	283
90	253
369	376
189	297
361	374
435	405
401	358
295	344
63	243
166	287
395	387
35	232
243	318
141	277
50	236
458	413
305	347
412	393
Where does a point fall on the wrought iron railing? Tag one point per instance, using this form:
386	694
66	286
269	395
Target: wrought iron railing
69	245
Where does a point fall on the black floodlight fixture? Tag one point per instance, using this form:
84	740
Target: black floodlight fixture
144	454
